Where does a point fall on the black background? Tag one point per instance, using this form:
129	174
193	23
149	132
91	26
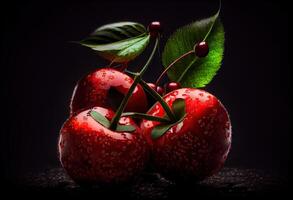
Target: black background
39	69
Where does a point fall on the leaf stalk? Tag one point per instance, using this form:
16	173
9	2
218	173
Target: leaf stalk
137	79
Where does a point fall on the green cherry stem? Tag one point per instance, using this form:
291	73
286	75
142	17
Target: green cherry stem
122	67
145	116
115	119
137	78
173	63
159	99
187	68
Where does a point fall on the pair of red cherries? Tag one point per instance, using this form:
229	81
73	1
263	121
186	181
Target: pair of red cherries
168	87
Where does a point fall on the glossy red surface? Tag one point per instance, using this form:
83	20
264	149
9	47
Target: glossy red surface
201	49
152	85
155	28
169	87
160	90
91	153
198	146
106	87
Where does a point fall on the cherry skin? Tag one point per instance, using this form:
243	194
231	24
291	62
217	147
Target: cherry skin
106	87
155	28
169	87
201	49
153	86
91	153
160	90
198	146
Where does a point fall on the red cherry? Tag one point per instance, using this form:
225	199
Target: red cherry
160	90
151	100
106	87
201	49
171	86
155	28
198	146
152	85
91	153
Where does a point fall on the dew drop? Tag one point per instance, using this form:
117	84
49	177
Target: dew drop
175	93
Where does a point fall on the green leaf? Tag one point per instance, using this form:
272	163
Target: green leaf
125	128
161	129
178	108
197	72
118	42
100	118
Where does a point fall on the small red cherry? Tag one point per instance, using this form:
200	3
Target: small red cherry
169	87
152	85
160	90
201	49
155	28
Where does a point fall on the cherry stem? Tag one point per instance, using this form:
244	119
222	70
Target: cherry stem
111	63
186	69
172	64
159	99
145	116
123	67
206	36
137	78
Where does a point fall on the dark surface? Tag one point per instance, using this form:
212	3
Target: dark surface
230	182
